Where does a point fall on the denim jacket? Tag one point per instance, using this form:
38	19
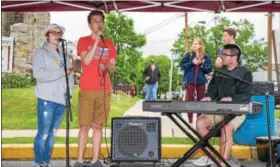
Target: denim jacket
189	69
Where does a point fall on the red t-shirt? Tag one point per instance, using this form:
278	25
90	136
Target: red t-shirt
91	79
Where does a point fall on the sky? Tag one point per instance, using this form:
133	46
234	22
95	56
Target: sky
161	29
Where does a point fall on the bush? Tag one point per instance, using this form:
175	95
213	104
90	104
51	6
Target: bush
17	80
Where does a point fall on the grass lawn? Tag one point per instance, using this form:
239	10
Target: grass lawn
61	140
277	114
19	108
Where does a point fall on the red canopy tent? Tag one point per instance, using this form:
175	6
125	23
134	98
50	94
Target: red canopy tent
151	6
141	6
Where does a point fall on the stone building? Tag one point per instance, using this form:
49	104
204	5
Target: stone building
27	29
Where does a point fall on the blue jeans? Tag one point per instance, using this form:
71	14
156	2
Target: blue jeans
50	115
151	93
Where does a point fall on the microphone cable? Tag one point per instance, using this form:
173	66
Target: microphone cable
103	73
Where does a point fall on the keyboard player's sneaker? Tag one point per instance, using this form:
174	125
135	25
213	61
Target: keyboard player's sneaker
203	161
232	161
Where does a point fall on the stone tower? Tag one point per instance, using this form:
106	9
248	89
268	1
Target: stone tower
27	29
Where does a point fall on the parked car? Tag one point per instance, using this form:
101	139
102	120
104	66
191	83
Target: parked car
177	95
144	91
128	89
133	91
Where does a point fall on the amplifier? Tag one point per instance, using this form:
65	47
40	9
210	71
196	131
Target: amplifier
260	87
136	139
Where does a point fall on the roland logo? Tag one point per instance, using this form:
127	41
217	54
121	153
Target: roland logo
135	123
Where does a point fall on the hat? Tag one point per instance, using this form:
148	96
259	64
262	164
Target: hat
53	26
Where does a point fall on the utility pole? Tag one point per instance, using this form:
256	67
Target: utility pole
170	77
269	43
186	32
186	45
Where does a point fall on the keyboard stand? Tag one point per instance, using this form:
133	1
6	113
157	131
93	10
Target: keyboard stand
202	142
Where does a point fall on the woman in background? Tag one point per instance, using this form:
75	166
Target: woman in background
196	64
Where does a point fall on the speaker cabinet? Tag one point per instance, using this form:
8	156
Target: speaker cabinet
136	139
260	88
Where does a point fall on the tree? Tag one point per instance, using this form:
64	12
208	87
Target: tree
254	52
120	29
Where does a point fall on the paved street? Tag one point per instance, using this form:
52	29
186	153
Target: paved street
164	163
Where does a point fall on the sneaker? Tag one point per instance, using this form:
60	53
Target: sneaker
40	165
78	164
96	164
203	161
223	165
47	164
232	161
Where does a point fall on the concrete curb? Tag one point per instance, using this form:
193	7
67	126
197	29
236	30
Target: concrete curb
25	151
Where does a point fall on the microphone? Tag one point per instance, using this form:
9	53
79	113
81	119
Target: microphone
234	76
62	40
102	37
101	30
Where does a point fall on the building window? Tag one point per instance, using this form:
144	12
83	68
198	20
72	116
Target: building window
7	54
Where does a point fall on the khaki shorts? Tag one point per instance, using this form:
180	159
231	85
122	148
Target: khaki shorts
215	119
92	108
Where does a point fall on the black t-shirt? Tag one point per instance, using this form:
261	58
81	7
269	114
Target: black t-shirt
224	86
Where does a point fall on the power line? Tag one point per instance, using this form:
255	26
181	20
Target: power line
162	24
169	39
164	40
148	29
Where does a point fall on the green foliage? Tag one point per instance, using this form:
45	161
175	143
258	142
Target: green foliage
254	52
120	29
130	62
17	80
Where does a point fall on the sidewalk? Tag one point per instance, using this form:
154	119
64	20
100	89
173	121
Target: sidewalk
59	133
169	129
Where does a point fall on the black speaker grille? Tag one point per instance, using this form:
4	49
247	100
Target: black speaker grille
132	141
260	88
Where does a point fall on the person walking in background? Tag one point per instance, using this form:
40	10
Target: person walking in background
48	70
152	78
195	64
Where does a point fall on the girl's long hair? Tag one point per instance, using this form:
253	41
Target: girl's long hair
201	50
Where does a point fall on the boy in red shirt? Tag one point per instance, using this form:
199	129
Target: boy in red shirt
98	57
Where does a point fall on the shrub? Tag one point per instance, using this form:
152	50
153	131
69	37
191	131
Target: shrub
17	80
